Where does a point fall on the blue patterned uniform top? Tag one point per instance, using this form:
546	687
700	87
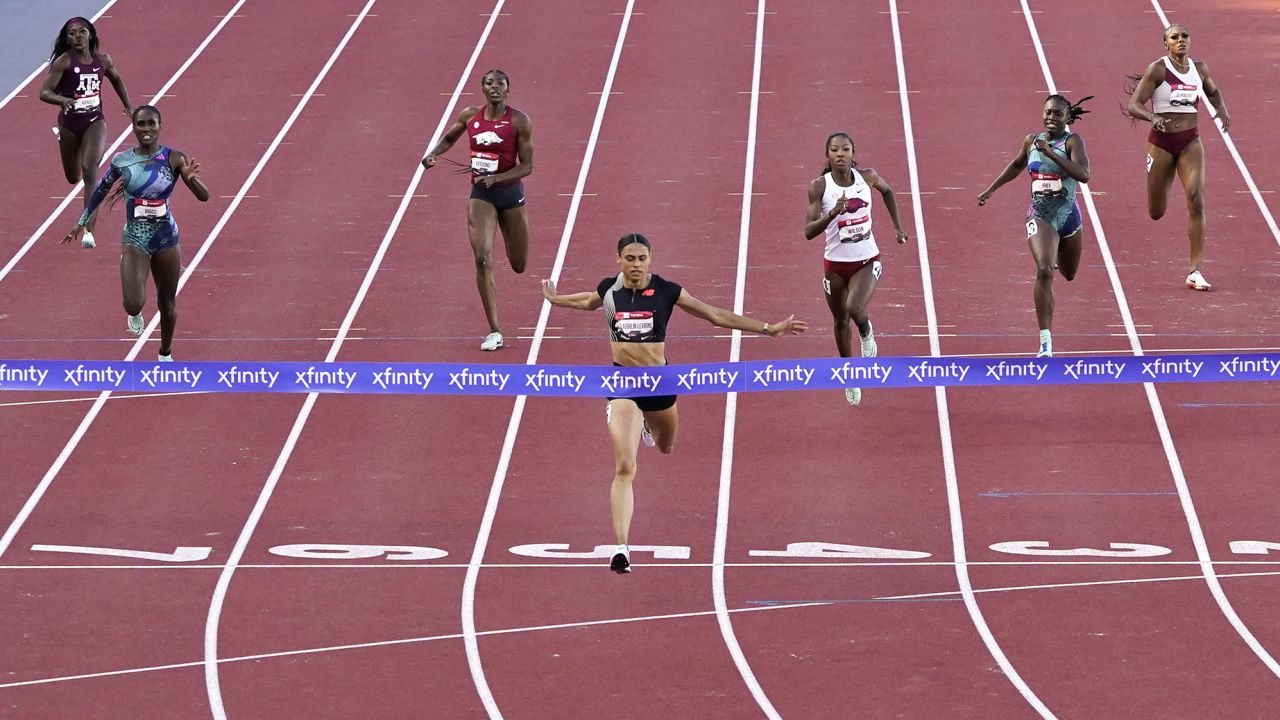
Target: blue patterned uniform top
148	181
1053	191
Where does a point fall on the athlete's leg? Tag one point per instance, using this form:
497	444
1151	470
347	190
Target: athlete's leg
69	150
1070	248
92	144
625	421
1043	241
837	290
663	425
134	265
514	224
481	223
1160	172
858	296
166	270
1191	173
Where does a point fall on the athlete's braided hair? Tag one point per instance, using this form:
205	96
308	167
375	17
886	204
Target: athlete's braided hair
60	45
839	133
1074	110
631	239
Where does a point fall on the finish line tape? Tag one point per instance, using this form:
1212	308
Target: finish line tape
596	381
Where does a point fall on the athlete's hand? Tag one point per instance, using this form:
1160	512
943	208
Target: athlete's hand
548	289
68	105
486	180
838	210
74	235
902	236
790	326
128	112
1158	123
984	196
1042	145
188	168
430	161
1225	120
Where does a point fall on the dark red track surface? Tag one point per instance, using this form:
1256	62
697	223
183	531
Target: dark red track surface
1076	467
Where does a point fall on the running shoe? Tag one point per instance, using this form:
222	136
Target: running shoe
1196	281
853	395
869	342
135	324
1046	349
621	562
56	133
492	341
165	358
87	242
646	436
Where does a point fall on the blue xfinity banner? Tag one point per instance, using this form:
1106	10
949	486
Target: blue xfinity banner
593	381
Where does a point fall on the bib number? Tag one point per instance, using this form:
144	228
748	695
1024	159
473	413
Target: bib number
484	163
145	209
86	104
1045	184
1183	95
854	230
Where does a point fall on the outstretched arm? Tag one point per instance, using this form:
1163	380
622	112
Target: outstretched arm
1011	171
117	82
577	301
99	194
725	319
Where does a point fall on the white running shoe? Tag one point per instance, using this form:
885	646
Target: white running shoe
869	342
135	324
621	561
56	133
1196	281
492	341
1046	350
165	358
646	436
853	395
87	242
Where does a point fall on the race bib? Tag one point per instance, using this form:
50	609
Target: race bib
144	209
633	323
483	162
854	229
1183	95
89	103
1045	184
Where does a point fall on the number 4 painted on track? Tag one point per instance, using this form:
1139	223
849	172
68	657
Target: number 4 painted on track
179	554
838	551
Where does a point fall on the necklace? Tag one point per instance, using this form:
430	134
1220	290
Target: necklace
1181	64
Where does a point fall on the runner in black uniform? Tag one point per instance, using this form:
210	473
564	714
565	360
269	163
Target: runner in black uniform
638	305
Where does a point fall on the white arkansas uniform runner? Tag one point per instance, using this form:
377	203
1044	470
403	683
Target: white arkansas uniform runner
849	237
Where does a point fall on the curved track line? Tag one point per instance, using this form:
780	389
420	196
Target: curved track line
940	394
1231	146
74	192
44	65
731	401
1153	399
224	579
469	634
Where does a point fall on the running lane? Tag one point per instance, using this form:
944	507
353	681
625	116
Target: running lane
1073	467
406	471
146	60
160	473
1223	432
669	165
810	468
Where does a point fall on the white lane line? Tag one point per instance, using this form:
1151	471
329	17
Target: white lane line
1091	583
595	566
469	634
44	65
409	641
1157	410
224	579
106	155
731	401
1231	147
566	626
940	395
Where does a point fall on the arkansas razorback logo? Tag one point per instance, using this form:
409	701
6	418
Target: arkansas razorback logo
855	204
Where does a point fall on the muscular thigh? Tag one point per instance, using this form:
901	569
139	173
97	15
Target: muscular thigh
482	219
1190	166
836	289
